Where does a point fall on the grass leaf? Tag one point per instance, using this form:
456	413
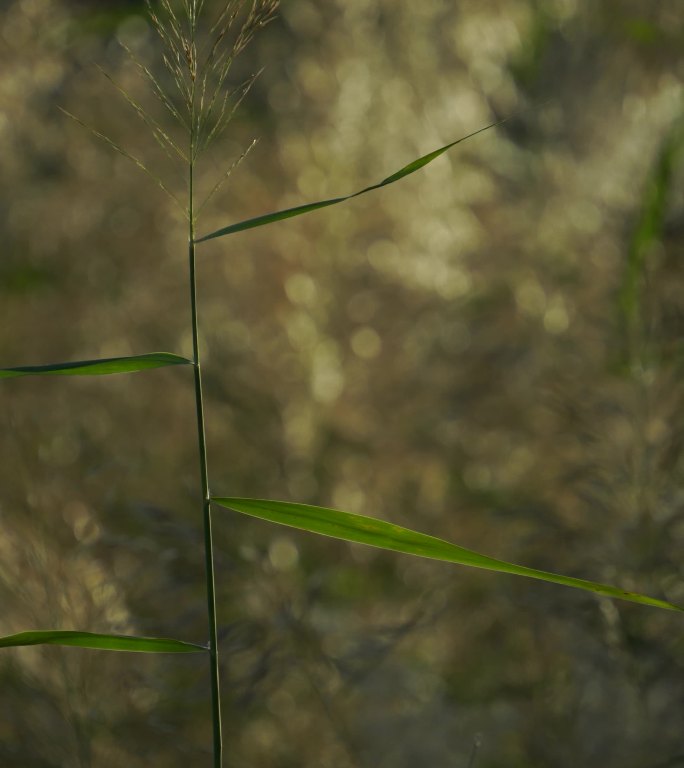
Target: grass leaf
378	533
288	213
102	642
656	200
98	367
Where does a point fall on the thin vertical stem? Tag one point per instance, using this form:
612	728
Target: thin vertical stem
201	436
206	507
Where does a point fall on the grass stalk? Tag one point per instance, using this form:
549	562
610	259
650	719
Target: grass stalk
206	497
204	470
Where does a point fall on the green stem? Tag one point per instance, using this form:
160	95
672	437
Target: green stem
204	475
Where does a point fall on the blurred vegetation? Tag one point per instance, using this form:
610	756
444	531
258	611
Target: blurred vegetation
490	351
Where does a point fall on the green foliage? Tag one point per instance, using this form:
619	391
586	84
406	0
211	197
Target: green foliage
200	102
377	533
647	234
97	367
407	170
100	642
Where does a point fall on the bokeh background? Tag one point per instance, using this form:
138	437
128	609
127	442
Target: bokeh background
490	351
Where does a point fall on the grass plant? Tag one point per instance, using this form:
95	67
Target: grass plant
197	55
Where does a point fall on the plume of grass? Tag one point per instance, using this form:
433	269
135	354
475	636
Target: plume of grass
225	176
125	153
171	149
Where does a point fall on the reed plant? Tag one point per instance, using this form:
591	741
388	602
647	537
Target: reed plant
195	89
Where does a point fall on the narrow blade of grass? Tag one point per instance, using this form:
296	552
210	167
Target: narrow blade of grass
656	200
98	367
288	213
101	642
378	533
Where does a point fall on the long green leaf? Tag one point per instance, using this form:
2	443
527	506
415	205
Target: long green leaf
288	213
377	533
98	367
101	642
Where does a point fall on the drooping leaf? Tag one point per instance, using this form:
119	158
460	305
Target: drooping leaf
98	367
288	213
102	642
378	533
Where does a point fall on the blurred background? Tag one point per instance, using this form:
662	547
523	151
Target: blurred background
489	351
